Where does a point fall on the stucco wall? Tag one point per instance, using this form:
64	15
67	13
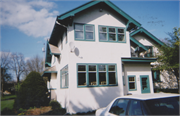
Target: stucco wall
138	69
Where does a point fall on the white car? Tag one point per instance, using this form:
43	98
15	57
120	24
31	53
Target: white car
144	104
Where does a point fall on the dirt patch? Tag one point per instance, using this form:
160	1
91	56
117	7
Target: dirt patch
37	111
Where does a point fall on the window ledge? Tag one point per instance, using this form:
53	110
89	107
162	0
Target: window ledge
97	86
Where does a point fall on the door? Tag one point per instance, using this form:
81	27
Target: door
145	87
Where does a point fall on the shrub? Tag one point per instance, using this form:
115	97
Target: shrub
55	105
32	92
7	111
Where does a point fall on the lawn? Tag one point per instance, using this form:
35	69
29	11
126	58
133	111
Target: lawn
7	103
6	97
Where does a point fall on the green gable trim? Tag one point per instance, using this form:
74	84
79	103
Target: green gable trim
50	71
78	9
138	43
56	54
89	4
47	63
138	59
141	29
121	12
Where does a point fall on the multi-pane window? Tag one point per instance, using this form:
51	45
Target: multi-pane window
111	34
64	77
132	83
84	32
96	74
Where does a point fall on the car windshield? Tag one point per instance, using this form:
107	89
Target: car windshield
163	106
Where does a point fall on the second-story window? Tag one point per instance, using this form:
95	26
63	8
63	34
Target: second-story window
111	34
84	32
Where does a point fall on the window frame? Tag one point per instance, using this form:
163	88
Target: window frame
65	73
134	83
84	32
116	34
154	75
97	74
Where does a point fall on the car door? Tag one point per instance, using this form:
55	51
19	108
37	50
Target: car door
119	107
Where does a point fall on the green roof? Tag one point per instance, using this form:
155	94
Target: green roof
141	29
138	43
92	3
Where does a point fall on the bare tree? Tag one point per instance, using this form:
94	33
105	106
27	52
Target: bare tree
35	64
5	76
17	65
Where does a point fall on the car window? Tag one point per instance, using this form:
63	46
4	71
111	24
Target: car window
135	108
119	107
163	106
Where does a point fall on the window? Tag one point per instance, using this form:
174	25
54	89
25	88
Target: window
64	77
111	34
119	107
84	32
156	76
135	108
96	75
132	83
149	52
163	106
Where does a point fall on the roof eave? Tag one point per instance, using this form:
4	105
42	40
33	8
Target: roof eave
89	4
136	59
141	29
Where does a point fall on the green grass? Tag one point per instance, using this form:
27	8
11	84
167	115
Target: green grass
7	103
6	97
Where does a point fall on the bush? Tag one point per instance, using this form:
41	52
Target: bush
55	105
7	111
32	92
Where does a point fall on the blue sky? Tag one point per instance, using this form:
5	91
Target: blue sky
26	24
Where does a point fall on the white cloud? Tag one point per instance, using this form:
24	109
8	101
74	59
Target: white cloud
34	18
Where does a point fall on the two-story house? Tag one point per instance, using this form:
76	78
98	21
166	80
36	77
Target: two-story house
97	52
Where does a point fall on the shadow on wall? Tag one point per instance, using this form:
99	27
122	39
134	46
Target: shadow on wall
100	97
53	95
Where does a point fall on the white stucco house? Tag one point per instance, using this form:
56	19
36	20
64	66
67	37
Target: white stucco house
97	52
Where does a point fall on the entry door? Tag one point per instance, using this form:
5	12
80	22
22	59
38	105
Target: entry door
145	87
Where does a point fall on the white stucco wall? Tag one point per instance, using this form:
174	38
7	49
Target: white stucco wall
138	69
